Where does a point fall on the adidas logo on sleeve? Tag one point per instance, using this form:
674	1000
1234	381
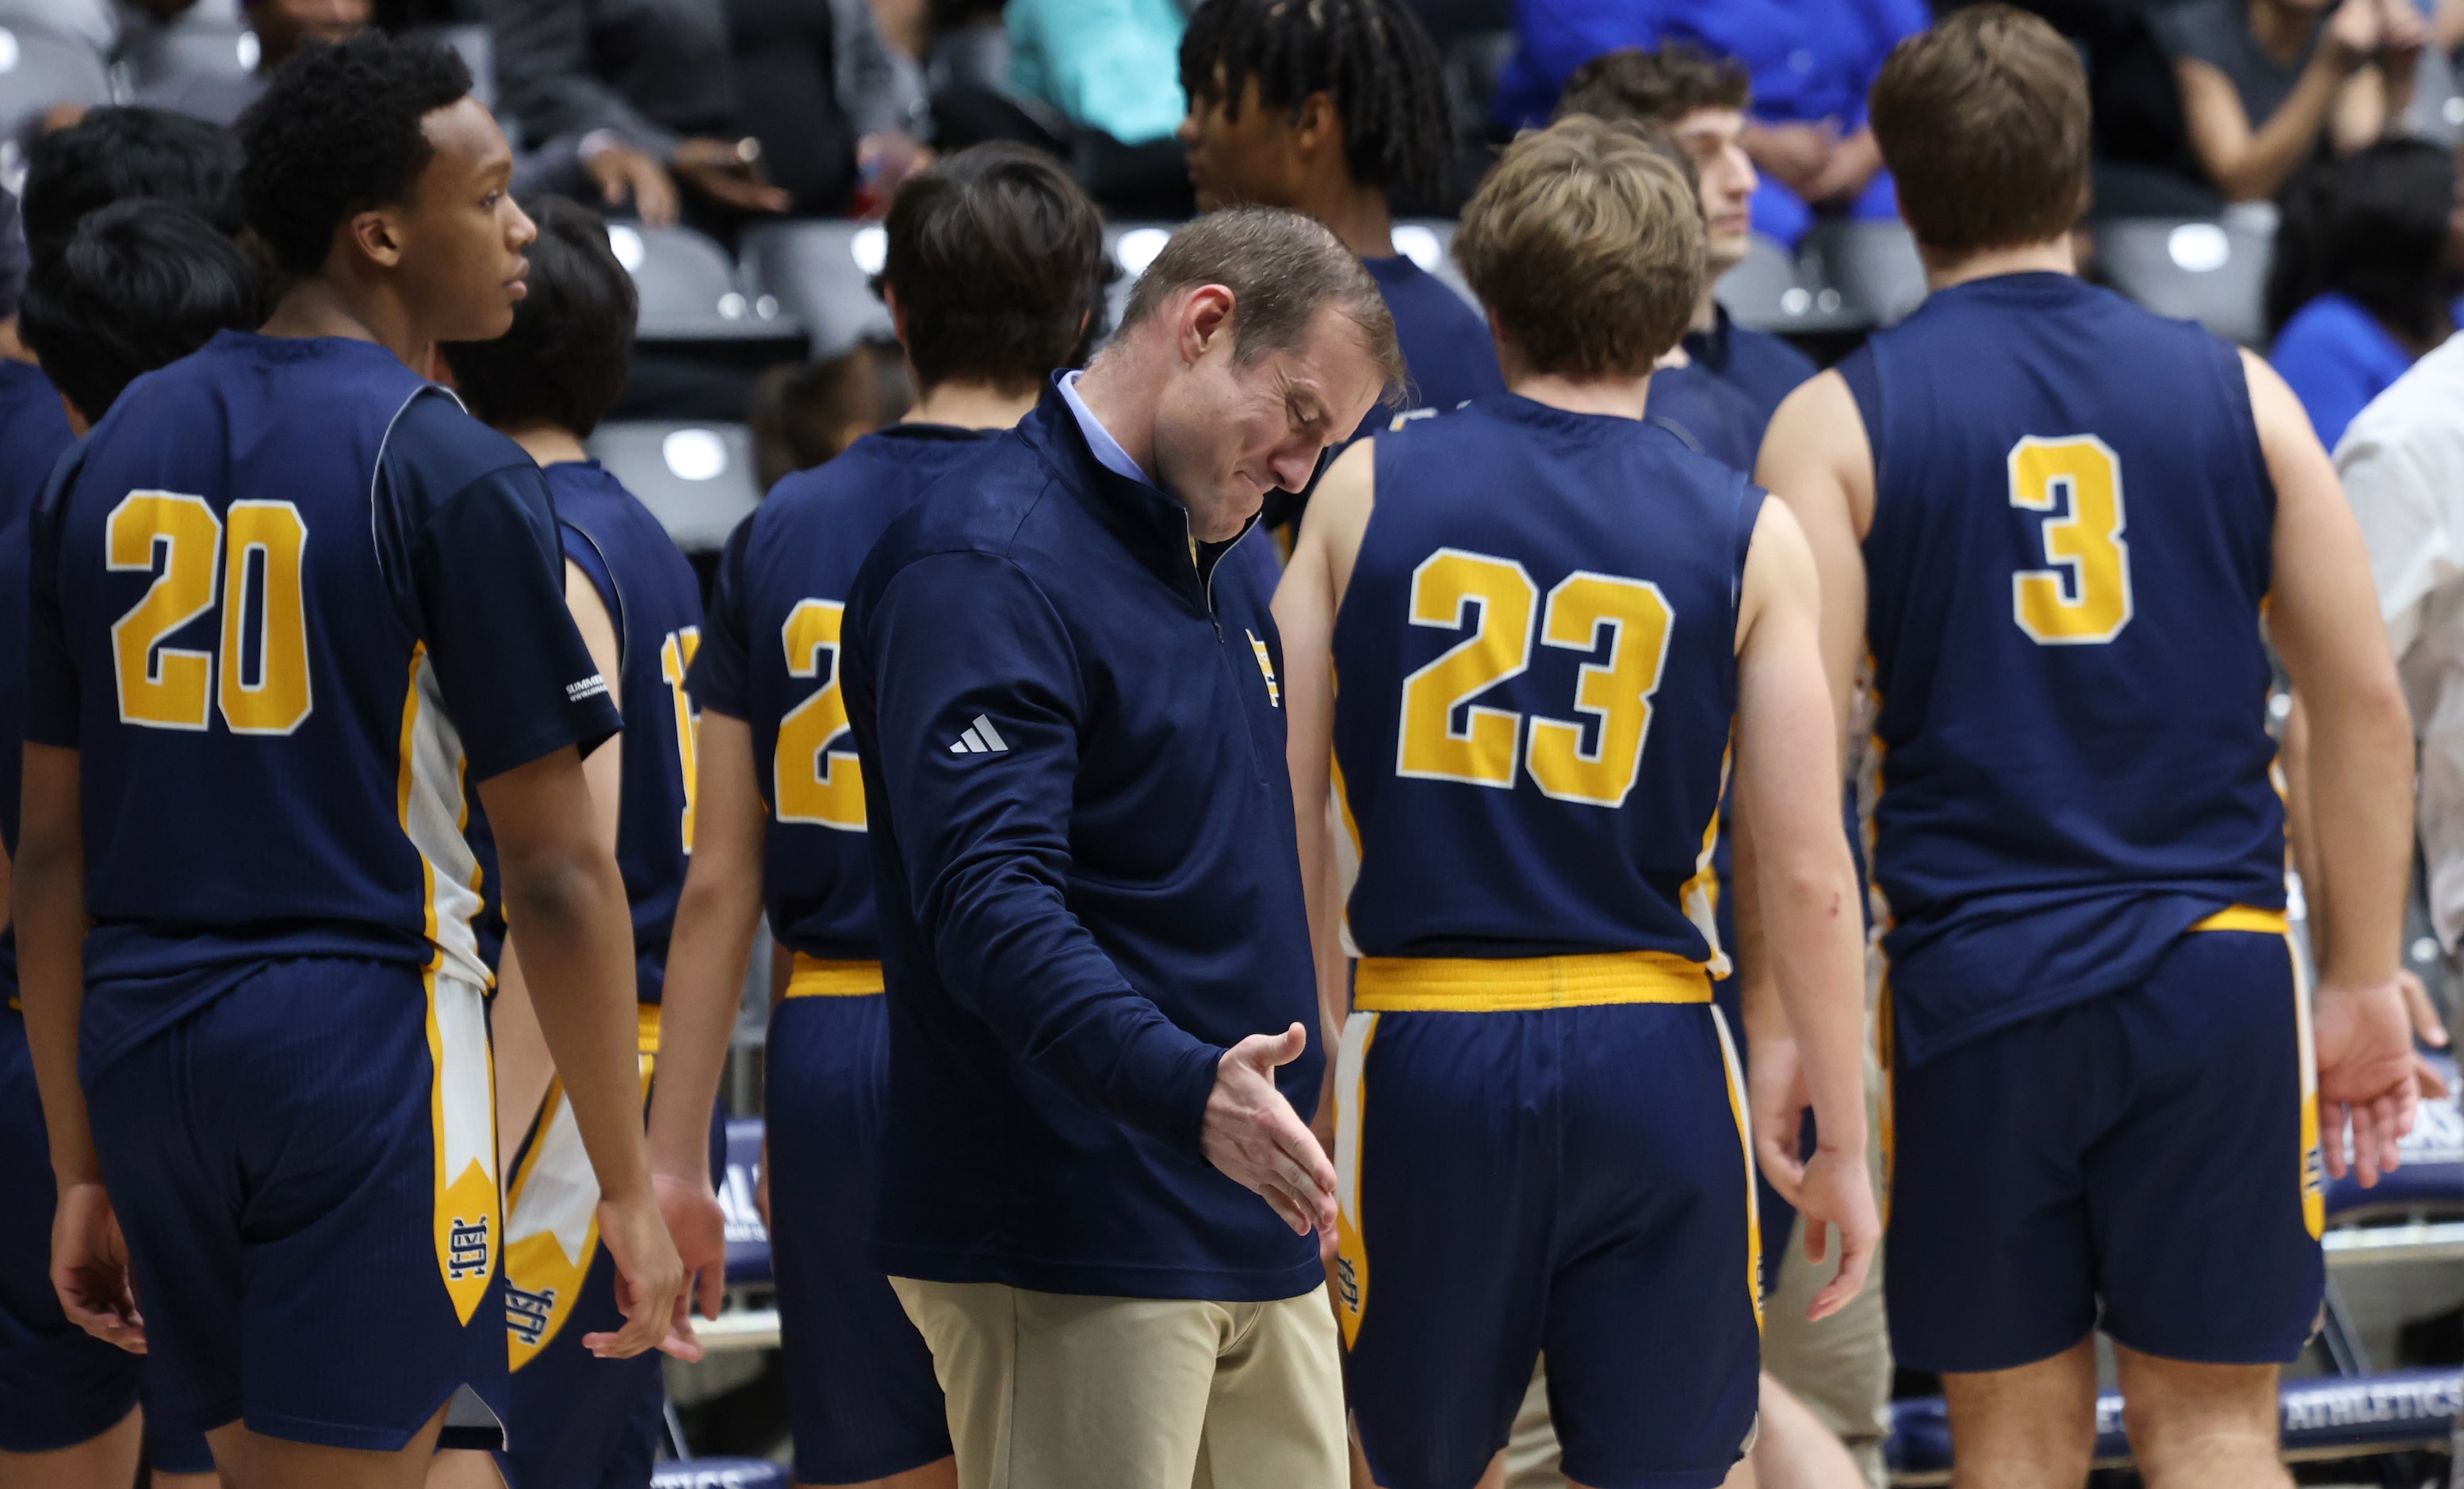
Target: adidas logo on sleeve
980	739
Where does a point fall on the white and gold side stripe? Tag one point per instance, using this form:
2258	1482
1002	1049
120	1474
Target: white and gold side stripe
1351	1250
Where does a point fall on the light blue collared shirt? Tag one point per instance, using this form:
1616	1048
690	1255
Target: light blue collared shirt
1108	452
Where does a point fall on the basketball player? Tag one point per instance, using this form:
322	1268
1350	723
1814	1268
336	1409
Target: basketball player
138	285
580	1422
285	601
1541	1135
2059	522
992	274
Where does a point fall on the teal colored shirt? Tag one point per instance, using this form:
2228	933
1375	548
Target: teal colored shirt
1113	65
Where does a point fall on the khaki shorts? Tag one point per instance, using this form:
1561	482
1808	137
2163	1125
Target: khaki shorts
1051	1390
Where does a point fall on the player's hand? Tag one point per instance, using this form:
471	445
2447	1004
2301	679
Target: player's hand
1776	1099
90	1268
2366	1077
697	1224
1837	1191
623	174
2402	31
1253	1135
761	1189
649	1284
1795	153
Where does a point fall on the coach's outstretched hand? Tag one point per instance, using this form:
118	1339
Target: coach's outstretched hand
2366	1078
1836	1190
1252	1134
90	1268
649	1283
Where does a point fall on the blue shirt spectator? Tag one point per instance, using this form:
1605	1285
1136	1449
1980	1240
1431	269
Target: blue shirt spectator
1113	65
2335	358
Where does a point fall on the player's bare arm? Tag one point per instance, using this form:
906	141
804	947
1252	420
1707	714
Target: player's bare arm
1307	603
47	887
1817	460
2323	619
717	915
523	1066
1788	770
563	889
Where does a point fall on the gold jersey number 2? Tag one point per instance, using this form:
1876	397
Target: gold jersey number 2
2078	477
811	781
252	552
1617	692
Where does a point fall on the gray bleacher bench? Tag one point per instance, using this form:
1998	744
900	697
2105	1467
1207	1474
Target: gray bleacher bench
1872	265
43	67
689	291
698	479
194	44
720	1473
2213	272
820	275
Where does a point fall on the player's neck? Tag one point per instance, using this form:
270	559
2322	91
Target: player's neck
1616	398
2052	256
1707	310
971	405
317	306
548	443
1354	213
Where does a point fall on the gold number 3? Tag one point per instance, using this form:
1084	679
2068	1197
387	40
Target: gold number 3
2085	545
1618	692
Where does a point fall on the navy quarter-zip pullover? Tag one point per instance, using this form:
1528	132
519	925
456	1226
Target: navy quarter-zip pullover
1089	887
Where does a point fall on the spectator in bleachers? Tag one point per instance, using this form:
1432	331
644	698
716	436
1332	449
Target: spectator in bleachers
1326	107
2360	286
2269	84
1101	64
34	428
1809	62
663	74
1701	101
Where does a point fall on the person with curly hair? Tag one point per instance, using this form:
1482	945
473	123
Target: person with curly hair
287	605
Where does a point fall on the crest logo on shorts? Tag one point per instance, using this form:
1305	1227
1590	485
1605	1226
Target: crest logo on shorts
467	1253
528	1313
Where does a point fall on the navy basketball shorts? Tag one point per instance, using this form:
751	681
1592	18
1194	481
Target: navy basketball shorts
59	1385
2146	1162
1567	1180
577	1421
305	1172
860	1395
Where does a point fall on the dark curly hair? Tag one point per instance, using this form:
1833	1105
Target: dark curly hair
138	285
1373	57
336	133
997	259
564	361
122	154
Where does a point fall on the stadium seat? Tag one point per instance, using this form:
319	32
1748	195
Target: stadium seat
696	478
971	57
1872	265
1133	246
748	1239
40	68
689	289
2213	272
820	273
1429	242
2323	1418
1764	292
193	45
720	1473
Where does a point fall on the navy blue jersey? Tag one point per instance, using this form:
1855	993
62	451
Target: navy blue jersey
12	725
2070	543
287	602
770	658
1535	695
1716	419
656	601
1756	363
1446	346
34	433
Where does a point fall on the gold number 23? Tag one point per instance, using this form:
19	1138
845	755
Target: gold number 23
1616	692
2083	546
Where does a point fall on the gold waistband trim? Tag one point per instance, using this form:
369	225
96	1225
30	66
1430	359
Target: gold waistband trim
814	977
1467	984
645	1023
2246	917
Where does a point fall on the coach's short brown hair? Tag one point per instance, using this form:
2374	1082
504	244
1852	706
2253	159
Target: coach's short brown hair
1662	86
1588	243
1984	123
1282	268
